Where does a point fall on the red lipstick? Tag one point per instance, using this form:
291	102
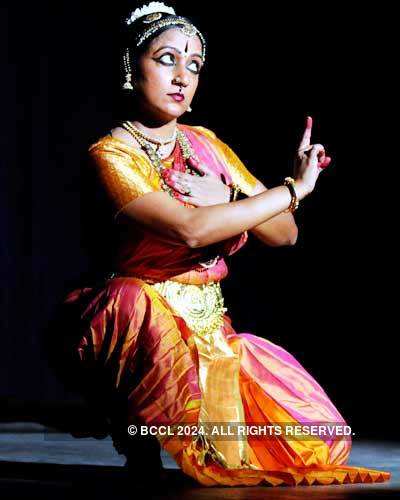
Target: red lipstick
177	97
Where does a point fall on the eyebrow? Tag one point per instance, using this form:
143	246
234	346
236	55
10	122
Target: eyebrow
176	50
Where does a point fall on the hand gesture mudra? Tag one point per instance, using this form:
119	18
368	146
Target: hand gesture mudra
310	159
209	189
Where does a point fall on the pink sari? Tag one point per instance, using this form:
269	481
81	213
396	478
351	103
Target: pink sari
169	374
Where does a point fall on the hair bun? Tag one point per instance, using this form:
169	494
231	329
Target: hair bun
151	8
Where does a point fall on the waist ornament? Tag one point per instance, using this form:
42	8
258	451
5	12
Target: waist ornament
201	306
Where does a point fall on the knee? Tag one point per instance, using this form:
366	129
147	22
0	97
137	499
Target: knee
126	294
133	302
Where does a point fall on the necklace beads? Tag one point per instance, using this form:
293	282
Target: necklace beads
155	140
155	159
155	156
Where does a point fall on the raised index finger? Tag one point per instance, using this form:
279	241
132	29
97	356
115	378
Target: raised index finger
306	139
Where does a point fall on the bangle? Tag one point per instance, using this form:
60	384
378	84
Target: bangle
234	191
294	202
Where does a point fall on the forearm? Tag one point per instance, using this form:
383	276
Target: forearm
280	230
216	223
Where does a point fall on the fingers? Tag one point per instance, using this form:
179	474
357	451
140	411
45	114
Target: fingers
307	148
316	152
186	198
306	139
177	180
202	168
323	161
326	162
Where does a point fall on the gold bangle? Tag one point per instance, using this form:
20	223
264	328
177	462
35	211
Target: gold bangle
294	202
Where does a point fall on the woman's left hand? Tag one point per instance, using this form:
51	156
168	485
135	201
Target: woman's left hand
203	191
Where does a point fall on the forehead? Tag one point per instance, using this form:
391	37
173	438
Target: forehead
176	38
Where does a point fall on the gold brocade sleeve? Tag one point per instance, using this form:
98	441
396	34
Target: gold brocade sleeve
240	174
124	174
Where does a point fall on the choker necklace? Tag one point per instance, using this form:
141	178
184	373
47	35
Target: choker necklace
155	140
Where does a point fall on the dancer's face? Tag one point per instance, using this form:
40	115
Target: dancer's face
171	57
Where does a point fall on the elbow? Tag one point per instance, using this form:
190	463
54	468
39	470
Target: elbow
289	239
293	236
192	234
195	240
193	243
198	233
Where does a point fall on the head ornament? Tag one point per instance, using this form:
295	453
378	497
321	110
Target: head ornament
148	10
153	17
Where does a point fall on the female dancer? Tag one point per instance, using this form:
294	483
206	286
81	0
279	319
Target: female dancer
155	342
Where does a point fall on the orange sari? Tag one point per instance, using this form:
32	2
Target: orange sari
141	333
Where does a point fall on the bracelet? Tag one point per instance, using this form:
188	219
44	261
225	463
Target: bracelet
294	202
235	189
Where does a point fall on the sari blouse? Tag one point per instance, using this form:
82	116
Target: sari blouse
127	173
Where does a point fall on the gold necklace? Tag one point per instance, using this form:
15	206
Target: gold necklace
154	156
155	140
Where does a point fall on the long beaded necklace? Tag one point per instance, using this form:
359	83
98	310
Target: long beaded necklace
155	156
147	143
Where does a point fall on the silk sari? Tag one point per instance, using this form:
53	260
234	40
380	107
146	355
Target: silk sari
169	374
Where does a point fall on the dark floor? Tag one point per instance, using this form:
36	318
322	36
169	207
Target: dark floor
37	464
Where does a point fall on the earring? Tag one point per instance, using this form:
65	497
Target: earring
128	85
189	110
128	75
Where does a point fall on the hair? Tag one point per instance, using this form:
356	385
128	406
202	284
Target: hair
132	32
129	34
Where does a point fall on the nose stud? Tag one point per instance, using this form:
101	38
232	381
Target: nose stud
178	82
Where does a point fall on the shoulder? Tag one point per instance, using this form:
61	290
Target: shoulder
241	176
117	140
205	135
211	138
218	145
124	136
199	131
116	155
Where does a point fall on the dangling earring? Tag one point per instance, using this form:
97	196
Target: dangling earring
189	110
128	74
128	85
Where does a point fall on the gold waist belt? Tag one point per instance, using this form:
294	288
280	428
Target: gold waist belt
201	306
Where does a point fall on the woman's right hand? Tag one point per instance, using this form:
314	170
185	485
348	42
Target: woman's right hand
309	163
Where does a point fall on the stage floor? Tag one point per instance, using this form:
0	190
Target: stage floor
35	463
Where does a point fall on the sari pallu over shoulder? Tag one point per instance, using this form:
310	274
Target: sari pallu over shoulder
127	173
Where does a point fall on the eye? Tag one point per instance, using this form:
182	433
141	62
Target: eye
167	59
194	67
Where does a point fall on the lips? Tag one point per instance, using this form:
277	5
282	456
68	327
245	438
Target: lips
177	97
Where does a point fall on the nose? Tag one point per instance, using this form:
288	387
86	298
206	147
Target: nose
181	78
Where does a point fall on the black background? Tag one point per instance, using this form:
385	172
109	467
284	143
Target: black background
331	299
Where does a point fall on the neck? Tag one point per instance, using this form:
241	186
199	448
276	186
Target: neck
155	128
